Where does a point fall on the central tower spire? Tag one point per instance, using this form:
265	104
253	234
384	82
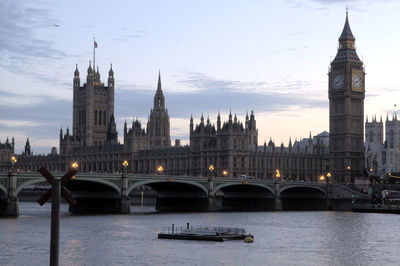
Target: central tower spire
158	124
159	101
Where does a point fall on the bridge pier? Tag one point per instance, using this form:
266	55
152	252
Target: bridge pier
12	208
210	196
125	201
277	201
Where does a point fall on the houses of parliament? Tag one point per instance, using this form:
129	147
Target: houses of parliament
229	144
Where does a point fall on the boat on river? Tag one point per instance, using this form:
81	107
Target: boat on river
204	233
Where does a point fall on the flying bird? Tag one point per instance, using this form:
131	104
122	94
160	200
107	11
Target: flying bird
56	25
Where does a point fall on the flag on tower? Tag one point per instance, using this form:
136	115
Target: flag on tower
95	44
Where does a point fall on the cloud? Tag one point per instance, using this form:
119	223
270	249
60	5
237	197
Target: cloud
22	50
212	94
18	23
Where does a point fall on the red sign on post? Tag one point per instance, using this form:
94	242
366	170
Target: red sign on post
64	180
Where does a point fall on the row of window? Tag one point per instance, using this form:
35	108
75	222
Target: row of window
100	118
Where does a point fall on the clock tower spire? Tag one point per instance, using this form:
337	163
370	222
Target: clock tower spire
346	110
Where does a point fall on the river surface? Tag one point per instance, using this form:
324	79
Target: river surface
281	238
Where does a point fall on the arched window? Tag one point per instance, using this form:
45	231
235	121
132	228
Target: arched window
104	118
100	113
95	117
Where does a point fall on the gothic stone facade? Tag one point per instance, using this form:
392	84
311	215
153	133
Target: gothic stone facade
231	146
382	154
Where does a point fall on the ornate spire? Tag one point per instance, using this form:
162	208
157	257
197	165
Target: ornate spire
159	101
159	82
218	121
346	33
111	72
191	123
76	73
90	67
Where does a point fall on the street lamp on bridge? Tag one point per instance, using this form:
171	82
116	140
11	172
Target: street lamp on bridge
160	169
211	169
225	173
125	166
277	174
13	159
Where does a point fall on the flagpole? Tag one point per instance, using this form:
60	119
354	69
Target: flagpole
94	54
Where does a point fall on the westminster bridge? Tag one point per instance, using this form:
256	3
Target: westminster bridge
109	193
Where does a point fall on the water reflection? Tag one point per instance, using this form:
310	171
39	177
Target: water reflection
284	238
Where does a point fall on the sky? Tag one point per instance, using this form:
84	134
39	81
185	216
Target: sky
214	56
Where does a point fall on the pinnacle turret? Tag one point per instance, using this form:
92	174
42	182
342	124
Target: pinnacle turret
90	70
76	73
159	82
111	72
159	101
346	33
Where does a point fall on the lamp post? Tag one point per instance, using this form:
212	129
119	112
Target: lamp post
125	203
11	185
75	165
225	173
12	182
348	173
277	176
211	169
210	183
160	169
328	177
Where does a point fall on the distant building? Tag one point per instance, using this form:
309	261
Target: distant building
231	146
382	155
6	151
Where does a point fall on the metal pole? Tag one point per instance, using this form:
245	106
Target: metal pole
55	223
141	202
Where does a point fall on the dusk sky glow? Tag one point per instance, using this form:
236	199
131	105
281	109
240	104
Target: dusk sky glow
268	56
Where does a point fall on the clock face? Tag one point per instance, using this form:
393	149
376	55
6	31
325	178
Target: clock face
357	82
338	81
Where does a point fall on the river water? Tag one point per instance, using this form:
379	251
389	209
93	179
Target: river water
281	238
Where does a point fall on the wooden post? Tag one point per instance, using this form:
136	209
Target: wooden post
55	222
141	202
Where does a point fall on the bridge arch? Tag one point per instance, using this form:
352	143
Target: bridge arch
3	191
98	181
28	183
303	197
290	187
225	185
149	182
39	180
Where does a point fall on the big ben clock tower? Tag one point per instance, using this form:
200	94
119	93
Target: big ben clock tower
346	110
